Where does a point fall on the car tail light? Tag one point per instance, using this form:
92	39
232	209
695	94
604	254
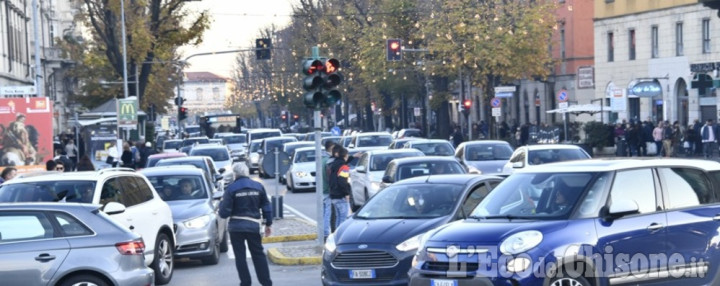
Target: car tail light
135	247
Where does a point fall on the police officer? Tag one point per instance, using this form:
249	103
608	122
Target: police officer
242	202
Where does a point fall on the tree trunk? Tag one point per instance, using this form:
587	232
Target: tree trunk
369	125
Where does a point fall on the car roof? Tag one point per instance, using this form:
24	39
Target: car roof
460	179
480	142
173	140
256	141
373	134
71	176
391	151
197	138
175	170
281	138
168	155
183	159
407	160
421	140
261	130
298	143
61	206
550	146
209	146
612	164
308	149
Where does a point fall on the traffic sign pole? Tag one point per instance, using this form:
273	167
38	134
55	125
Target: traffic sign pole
277	199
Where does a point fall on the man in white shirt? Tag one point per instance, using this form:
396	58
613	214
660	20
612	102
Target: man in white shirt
708	138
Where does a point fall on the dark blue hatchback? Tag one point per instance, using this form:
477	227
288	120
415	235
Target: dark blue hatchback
594	222
376	245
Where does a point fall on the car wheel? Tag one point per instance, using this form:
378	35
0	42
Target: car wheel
224	243
569	279
84	280
163	264
214	256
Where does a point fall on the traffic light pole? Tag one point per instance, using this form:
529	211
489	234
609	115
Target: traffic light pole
320	171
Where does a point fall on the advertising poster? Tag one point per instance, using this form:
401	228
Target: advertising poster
26	136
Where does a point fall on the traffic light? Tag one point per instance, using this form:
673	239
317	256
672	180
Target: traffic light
262	48
394	50
296	117
331	78
466	106
182	114
312	83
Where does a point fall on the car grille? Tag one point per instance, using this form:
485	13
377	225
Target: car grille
445	266
364	259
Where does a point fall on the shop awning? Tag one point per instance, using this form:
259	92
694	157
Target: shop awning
582	108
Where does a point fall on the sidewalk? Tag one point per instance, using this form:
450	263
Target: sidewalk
293	242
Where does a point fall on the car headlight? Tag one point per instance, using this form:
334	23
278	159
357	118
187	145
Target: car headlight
411	243
330	243
301	174
473	170
521	242
198	222
375	185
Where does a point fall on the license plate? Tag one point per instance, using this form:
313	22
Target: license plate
362	274
438	282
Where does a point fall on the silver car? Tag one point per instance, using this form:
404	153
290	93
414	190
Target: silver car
69	244
200	233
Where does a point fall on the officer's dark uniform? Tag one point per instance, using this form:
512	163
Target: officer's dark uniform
242	202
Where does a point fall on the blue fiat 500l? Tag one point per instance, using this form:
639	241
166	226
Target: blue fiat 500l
593	222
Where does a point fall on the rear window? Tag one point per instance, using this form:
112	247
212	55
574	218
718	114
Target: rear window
234	139
488	152
428	168
263	135
50	191
380	161
179	187
216	154
435	149
539	157
167	145
188	142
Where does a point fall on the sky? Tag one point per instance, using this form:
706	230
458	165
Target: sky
234	25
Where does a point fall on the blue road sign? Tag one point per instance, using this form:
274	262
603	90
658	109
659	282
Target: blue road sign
336	131
562	96
496	102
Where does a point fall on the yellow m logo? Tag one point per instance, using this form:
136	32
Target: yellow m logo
127	108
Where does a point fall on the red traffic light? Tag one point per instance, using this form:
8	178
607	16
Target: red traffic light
467	103
296	116
313	66
394	50
394	45
331	65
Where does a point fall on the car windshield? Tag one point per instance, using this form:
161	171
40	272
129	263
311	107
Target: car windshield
179	188
290	149
544	196
190	142
169	145
254	147
305	156
488	152
410	170
435	148
374	140
48	191
263	135
234	139
412	201
217	154
539	157
380	161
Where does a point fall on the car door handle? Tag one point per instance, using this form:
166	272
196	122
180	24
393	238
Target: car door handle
44	257
655	226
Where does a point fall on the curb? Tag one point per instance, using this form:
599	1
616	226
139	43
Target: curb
284	238
276	257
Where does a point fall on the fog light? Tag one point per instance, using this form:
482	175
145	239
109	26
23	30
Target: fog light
203	246
519	264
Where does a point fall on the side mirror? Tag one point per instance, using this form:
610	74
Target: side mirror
360	169
218	195
218	177
221	170
622	207
387	180
517	165
112	208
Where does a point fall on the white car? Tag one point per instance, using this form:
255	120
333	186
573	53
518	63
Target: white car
301	175
533	155
432	147
145	212
366	178
236	143
252	155
370	141
220	157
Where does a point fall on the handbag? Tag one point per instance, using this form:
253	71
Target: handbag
110	159
651	148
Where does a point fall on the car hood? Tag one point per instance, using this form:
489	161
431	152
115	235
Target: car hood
490	231
186	209
385	231
488	167
305	167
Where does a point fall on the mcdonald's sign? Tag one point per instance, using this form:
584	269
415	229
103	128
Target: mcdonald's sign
127	109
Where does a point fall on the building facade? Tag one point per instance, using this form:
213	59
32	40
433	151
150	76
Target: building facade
17	51
204	93
657	60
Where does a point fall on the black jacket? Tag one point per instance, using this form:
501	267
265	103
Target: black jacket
338	179
245	198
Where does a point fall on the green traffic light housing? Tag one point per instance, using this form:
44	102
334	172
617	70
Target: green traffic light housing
332	97
314	99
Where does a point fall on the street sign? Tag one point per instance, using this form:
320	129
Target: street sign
496	102
18	90
416	111
496	111
562	96
504	91
336	131
127	109
563	105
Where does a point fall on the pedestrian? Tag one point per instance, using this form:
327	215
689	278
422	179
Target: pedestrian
85	164
457	137
709	138
242	202
60	166
61	156
657	135
127	156
50	165
7	174
113	155
327	203
72	152
339	187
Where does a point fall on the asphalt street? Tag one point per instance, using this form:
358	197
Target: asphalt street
299	205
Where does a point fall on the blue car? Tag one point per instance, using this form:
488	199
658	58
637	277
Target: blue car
376	245
582	223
